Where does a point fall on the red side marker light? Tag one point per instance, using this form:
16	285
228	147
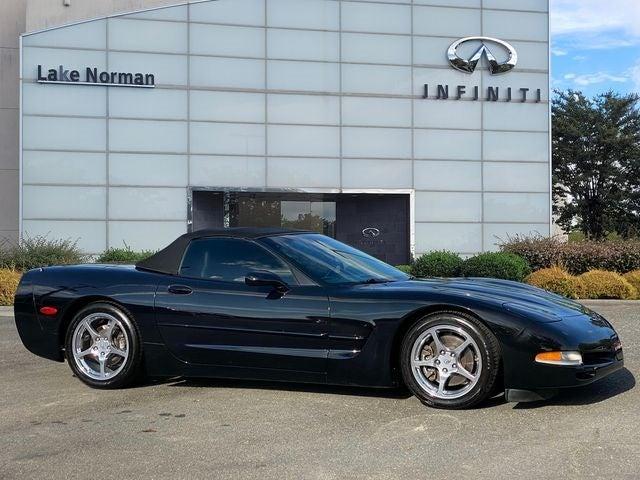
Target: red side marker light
49	311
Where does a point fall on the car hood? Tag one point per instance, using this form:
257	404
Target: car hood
518	298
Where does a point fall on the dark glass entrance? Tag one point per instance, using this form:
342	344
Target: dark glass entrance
375	223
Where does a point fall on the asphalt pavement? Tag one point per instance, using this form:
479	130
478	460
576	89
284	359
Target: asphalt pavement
52	426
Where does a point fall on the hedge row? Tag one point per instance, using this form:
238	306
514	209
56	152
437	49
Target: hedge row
443	263
576	257
9	280
40	251
591	284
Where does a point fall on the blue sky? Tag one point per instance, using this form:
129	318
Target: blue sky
595	45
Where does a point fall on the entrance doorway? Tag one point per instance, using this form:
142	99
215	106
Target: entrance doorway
377	224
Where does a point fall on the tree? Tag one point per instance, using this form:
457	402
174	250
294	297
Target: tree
596	163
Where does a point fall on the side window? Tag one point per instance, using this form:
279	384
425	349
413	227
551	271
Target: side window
229	260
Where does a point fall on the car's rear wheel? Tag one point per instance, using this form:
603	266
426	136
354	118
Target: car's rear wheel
103	346
450	360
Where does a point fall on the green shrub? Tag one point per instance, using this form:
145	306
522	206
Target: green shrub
404	268
506	266
576	257
39	251
9	280
603	284
557	280
437	264
123	255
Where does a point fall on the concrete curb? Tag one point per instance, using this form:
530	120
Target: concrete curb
6	311
603	302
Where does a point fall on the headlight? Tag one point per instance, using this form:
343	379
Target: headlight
559	358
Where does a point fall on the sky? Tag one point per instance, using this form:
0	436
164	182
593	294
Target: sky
595	45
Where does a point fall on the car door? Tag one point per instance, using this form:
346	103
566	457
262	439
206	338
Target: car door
208	315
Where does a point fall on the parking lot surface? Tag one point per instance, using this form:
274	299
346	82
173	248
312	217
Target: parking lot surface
52	426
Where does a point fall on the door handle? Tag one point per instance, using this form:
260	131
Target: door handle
180	290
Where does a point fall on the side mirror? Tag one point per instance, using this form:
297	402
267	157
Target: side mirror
262	278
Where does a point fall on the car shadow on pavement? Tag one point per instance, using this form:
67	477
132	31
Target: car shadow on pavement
398	392
611	386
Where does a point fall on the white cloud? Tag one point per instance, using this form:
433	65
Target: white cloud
559	52
597	77
596	24
634	75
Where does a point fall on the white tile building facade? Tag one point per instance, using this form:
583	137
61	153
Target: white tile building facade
308	96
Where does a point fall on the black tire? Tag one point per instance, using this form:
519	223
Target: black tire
489	350
130	372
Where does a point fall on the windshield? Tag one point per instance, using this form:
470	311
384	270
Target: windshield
331	261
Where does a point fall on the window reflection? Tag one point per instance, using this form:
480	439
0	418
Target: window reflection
262	211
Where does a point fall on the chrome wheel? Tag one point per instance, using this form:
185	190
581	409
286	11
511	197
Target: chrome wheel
100	346
446	361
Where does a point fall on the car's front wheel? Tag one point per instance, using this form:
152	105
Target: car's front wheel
103	346
450	360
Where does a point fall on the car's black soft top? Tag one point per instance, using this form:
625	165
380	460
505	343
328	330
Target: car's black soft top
168	259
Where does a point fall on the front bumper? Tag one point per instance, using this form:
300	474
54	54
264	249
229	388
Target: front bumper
591	335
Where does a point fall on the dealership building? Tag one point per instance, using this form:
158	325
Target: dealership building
397	126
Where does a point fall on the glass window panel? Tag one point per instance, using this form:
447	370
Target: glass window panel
243	12
317	14
319	77
458	237
366	17
376	79
227	40
448	207
300	45
227	138
376	142
144	235
147	203
448	144
391	112
148	103
147	36
210	171
64	167
65	100
443	175
137	169
51	133
148	136
516	207
376	173
227	106
527	177
447	22
304	109
304	141
227	72
359	47
516	146
516	25
303	172
63	202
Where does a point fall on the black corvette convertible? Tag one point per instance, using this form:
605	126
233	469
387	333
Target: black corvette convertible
299	306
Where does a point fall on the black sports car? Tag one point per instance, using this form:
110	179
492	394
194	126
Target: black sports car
300	306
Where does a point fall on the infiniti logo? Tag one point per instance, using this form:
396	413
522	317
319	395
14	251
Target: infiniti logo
469	65
370	232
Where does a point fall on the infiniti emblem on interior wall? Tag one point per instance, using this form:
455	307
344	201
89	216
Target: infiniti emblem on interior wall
468	65
370	232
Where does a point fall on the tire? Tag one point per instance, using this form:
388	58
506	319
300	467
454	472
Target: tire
103	346
468	360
